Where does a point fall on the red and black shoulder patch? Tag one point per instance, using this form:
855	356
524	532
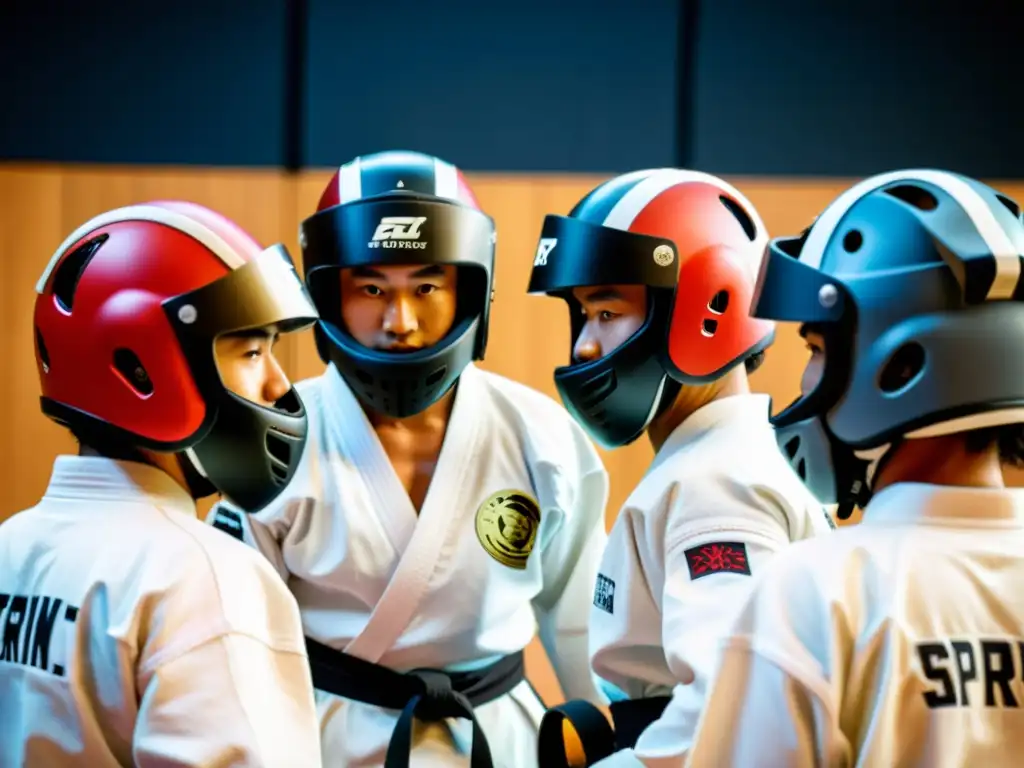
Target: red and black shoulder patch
717	557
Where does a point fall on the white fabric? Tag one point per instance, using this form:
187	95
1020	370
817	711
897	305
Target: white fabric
828	662
406	591
133	635
719	478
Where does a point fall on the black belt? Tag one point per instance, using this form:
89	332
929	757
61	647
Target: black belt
596	734
427	694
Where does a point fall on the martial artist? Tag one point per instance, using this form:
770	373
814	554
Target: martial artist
658	268
440	512
132	634
897	641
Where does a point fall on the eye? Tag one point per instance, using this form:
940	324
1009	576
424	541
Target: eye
813	348
372	290
607	315
252	354
426	289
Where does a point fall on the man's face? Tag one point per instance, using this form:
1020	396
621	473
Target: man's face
248	366
612	314
815	368
398	308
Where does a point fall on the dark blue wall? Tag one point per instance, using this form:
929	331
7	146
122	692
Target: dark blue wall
729	86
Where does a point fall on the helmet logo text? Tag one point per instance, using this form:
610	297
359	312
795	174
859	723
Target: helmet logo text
399	232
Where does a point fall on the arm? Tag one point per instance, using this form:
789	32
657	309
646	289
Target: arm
718	535
757	712
570	564
231	701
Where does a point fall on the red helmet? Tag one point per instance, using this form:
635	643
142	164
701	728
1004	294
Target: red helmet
697	244
126	315
399	207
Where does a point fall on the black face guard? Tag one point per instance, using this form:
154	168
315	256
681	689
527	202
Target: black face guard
393	230
247	451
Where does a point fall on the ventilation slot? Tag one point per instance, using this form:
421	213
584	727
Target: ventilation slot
792	446
914	195
436	376
1011	205
44	356
594	392
70	269
279	449
749	228
801	469
132	371
903	368
717	306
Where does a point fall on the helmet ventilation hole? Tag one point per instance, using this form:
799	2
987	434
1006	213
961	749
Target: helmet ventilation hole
904	367
44	355
749	228
911	194
852	241
1011	205
717	306
132	371
70	270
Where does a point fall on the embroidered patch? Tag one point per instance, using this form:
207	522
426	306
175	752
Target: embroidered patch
604	593
506	526
229	522
719	557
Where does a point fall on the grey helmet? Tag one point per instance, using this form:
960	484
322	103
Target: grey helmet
913	277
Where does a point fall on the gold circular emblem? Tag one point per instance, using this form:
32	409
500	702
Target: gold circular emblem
506	525
663	255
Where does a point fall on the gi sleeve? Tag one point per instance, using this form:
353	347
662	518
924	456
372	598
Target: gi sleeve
719	533
221	670
233	700
759	712
570	564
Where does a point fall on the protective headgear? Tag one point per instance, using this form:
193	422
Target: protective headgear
695	242
399	208
913	279
126	316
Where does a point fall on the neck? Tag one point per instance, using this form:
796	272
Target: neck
168	462
692	399
941	460
434	417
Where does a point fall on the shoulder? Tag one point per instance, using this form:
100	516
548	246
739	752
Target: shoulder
218	585
547	431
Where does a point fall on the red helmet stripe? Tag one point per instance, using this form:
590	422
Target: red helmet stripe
219	243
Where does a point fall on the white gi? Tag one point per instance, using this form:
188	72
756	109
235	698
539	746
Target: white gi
132	634
895	642
409	591
717	503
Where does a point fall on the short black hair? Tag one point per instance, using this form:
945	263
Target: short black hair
754	362
1009	438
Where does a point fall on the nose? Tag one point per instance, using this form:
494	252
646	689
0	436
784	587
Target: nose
276	385
400	319
586	347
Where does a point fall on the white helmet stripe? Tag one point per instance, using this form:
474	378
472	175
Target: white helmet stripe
446	180
350	182
638	198
1007	258
157	214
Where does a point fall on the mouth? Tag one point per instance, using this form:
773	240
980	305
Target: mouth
400	348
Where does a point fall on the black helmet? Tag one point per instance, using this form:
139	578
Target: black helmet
394	208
